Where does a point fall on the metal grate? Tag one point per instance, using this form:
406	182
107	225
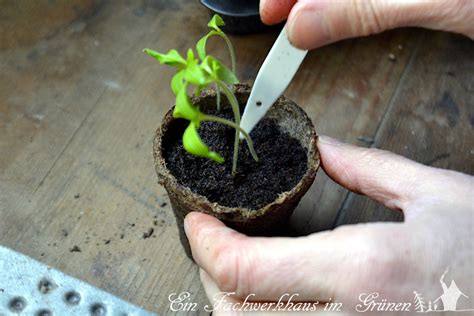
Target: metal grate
29	287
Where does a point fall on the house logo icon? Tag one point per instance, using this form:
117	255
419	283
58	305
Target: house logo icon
445	302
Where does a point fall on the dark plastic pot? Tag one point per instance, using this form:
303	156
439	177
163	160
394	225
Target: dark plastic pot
240	16
271	219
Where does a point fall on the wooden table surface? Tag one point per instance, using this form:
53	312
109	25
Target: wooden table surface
79	104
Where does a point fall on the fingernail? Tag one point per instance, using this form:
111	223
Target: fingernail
308	29
329	140
186	226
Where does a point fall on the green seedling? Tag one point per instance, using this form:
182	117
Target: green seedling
197	73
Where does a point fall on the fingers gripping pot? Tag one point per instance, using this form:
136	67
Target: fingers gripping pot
272	218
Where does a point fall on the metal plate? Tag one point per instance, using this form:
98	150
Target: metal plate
29	287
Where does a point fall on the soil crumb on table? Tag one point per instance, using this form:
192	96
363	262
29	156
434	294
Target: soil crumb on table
75	248
282	163
148	233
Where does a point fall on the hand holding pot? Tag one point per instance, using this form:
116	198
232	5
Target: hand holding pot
314	23
393	259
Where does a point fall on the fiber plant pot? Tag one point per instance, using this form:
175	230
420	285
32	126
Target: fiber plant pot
270	219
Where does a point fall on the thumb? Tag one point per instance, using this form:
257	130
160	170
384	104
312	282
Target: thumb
272	11
314	23
269	268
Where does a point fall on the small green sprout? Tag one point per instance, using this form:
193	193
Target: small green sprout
199	73
214	24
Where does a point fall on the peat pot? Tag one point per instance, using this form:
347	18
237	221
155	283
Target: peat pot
267	220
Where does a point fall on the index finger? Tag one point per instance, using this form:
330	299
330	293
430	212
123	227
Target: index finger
274	11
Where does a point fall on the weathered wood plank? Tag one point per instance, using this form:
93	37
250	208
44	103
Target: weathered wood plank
92	137
79	104
431	119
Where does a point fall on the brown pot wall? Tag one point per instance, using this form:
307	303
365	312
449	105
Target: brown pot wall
271	219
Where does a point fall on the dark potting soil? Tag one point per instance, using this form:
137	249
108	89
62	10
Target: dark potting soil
282	163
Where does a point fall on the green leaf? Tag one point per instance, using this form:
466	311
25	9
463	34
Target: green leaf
218	71
184	108
215	22
193	73
193	144
177	82
209	67
190	57
172	58
201	46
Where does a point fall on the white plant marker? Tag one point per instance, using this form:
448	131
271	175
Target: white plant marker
274	76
